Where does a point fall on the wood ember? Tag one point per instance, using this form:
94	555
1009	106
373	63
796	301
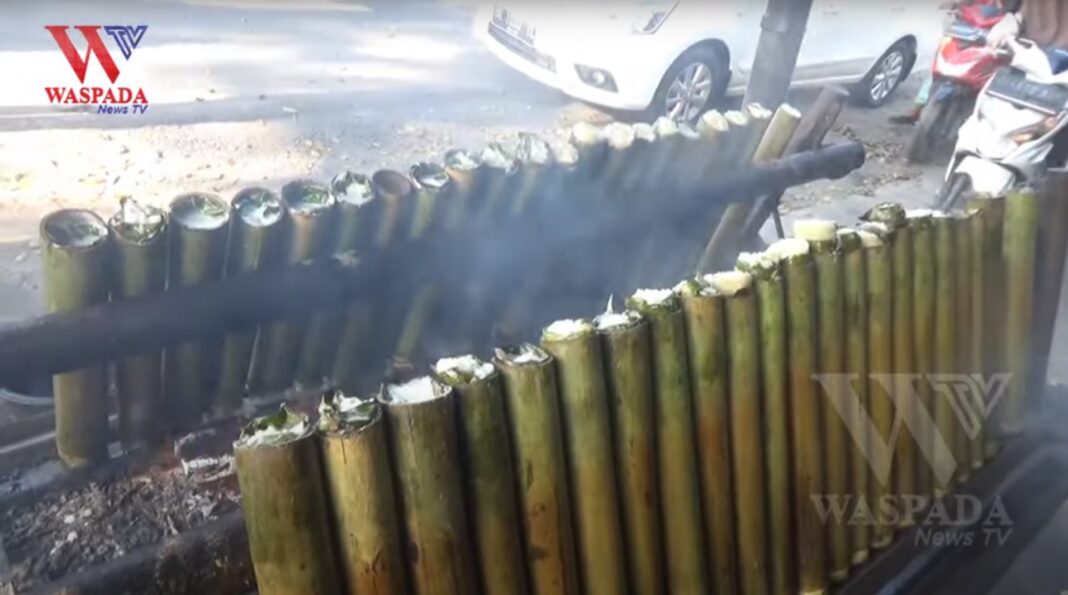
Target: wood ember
65	533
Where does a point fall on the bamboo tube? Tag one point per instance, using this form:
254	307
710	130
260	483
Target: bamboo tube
993	322
628	374
309	208
564	181
747	441
977	325
139	252
357	218
489	474
426	464
905	451
706	337
541	468
588	443
497	174
923	325
830	338
1018	251
807	477
535	162
856	366
619	138
676	446
592	152
257	223
285	507
359	486
880	266
75	269
462	167
748	144
963	243
196	253
945	356
777	135
713	129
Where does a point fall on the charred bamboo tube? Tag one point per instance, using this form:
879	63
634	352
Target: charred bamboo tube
706	338
309	206
807	477
196	253
257	223
747	442
431	183
588	442
822	237
977	325
880	266
856	366
462	167
357	218
945	356
993	322
628	374
489	474
75	269
923	327
535	163
680	509
285	507
1018	251
359	486
426	462
538	444
963	240
497	174
905	451
139	245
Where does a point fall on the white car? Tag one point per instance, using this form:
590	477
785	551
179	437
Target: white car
679	58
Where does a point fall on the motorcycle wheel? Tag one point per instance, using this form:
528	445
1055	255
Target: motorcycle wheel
953	191
937	129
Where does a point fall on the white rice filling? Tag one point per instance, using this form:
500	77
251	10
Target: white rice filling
736	118
619	135
295	426
259	211
654	297
920	213
585	133
565	153
665	127
816	230
757	111
460	159
199	211
419	390
756	261
788	248
869	239
533	149
713	121
346	409
464	365
137	220
562	330
879	229
643	131
527	354
731	282
612	319
495	156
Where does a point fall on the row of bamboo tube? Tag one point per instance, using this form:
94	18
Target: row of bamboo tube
673	447
200	238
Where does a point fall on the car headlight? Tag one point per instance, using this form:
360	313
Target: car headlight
650	14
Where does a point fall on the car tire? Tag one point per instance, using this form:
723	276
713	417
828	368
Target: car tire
704	61
893	67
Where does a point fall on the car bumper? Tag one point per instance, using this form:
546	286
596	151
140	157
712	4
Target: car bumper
555	66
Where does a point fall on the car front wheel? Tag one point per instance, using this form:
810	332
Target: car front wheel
693	84
885	77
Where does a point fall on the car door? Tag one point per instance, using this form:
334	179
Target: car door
845	37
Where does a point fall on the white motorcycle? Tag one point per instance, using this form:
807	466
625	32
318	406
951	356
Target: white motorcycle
1008	138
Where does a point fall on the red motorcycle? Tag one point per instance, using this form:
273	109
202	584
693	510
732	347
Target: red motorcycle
963	64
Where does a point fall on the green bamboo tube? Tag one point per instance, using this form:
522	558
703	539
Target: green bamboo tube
831	359
706	338
257	225
856	366
285	507
680	508
489	474
977	325
963	243
497	175
592	152
393	193
905	450
309	208
359	486
1019	253
196	252
628	374
462	167
713	129
759	120
139	252
425	449
355	235
75	269
619	138
879	261
747	440
806	471
945	357
923	332
993	323
537	441
535	160
588	443
737	137
665	151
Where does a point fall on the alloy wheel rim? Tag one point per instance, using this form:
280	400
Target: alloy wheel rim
887	76
689	92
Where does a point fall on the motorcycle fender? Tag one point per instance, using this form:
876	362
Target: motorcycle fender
989	179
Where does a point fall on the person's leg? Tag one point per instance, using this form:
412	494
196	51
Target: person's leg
922	97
